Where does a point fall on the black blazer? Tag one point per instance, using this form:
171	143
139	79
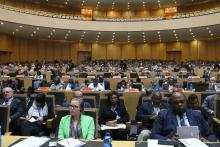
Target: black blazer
106	114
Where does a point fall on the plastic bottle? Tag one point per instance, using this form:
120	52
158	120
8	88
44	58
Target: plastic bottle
190	87
107	140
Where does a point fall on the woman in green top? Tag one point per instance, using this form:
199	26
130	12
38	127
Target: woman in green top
76	124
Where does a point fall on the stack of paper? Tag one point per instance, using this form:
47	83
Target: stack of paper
193	142
71	142
118	126
32	142
154	143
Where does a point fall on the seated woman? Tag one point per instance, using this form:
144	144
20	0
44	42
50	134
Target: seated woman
112	113
76	125
38	113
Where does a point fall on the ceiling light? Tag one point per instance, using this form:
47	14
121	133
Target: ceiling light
13	33
190	30
20	26
38	28
34	32
2	23
32	35
174	31
207	28
16	30
69	31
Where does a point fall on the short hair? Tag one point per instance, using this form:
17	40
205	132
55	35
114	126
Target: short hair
81	103
40	98
175	95
9	88
113	93
156	94
192	97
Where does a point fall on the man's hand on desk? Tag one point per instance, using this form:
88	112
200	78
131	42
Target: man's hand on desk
175	137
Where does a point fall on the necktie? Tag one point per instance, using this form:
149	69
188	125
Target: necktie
182	121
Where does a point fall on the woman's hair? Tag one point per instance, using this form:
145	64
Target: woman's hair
81	103
41	99
111	94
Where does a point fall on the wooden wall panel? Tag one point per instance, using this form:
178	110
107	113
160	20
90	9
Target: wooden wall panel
185	47
202	50
143	13
211	50
128	51
193	52
113	14
113	51
144	51
128	14
173	46
5	43
158	51
98	51
217	49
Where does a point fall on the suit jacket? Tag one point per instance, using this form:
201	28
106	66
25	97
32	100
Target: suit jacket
208	103
87	127
106	114
16	109
166	123
145	111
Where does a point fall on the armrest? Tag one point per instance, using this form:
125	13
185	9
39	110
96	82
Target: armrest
50	123
216	120
8	133
128	125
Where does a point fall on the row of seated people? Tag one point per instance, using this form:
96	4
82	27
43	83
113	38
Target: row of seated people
166	117
57	68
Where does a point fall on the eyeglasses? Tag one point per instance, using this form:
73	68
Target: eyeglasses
73	106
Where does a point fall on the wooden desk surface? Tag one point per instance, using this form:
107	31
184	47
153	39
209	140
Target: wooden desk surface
7	140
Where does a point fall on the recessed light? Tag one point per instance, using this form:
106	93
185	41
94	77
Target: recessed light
54	30
34	32
20	26
16	30
38	28
13	33
2	23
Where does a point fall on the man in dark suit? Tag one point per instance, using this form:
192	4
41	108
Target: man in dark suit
167	121
147	113
16	108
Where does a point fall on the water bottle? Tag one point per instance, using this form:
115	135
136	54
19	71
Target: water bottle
190	87
107	140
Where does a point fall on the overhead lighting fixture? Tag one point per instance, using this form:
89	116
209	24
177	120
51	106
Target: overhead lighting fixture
2	23
16	30
20	26
37	28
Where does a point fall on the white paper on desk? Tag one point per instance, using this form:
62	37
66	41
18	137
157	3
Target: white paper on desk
32	120
192	142
188	132
154	143
32	142
71	142
119	126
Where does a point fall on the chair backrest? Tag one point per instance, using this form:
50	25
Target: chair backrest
50	100
23	99
91	100
217	107
4	118
59	97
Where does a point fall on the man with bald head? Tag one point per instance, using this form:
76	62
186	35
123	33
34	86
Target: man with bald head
16	107
165	125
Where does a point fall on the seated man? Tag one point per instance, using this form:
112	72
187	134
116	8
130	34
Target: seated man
16	108
193	103
167	121
147	113
95	85
208	103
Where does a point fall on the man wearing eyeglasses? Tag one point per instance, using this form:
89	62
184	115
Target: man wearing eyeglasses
16	108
